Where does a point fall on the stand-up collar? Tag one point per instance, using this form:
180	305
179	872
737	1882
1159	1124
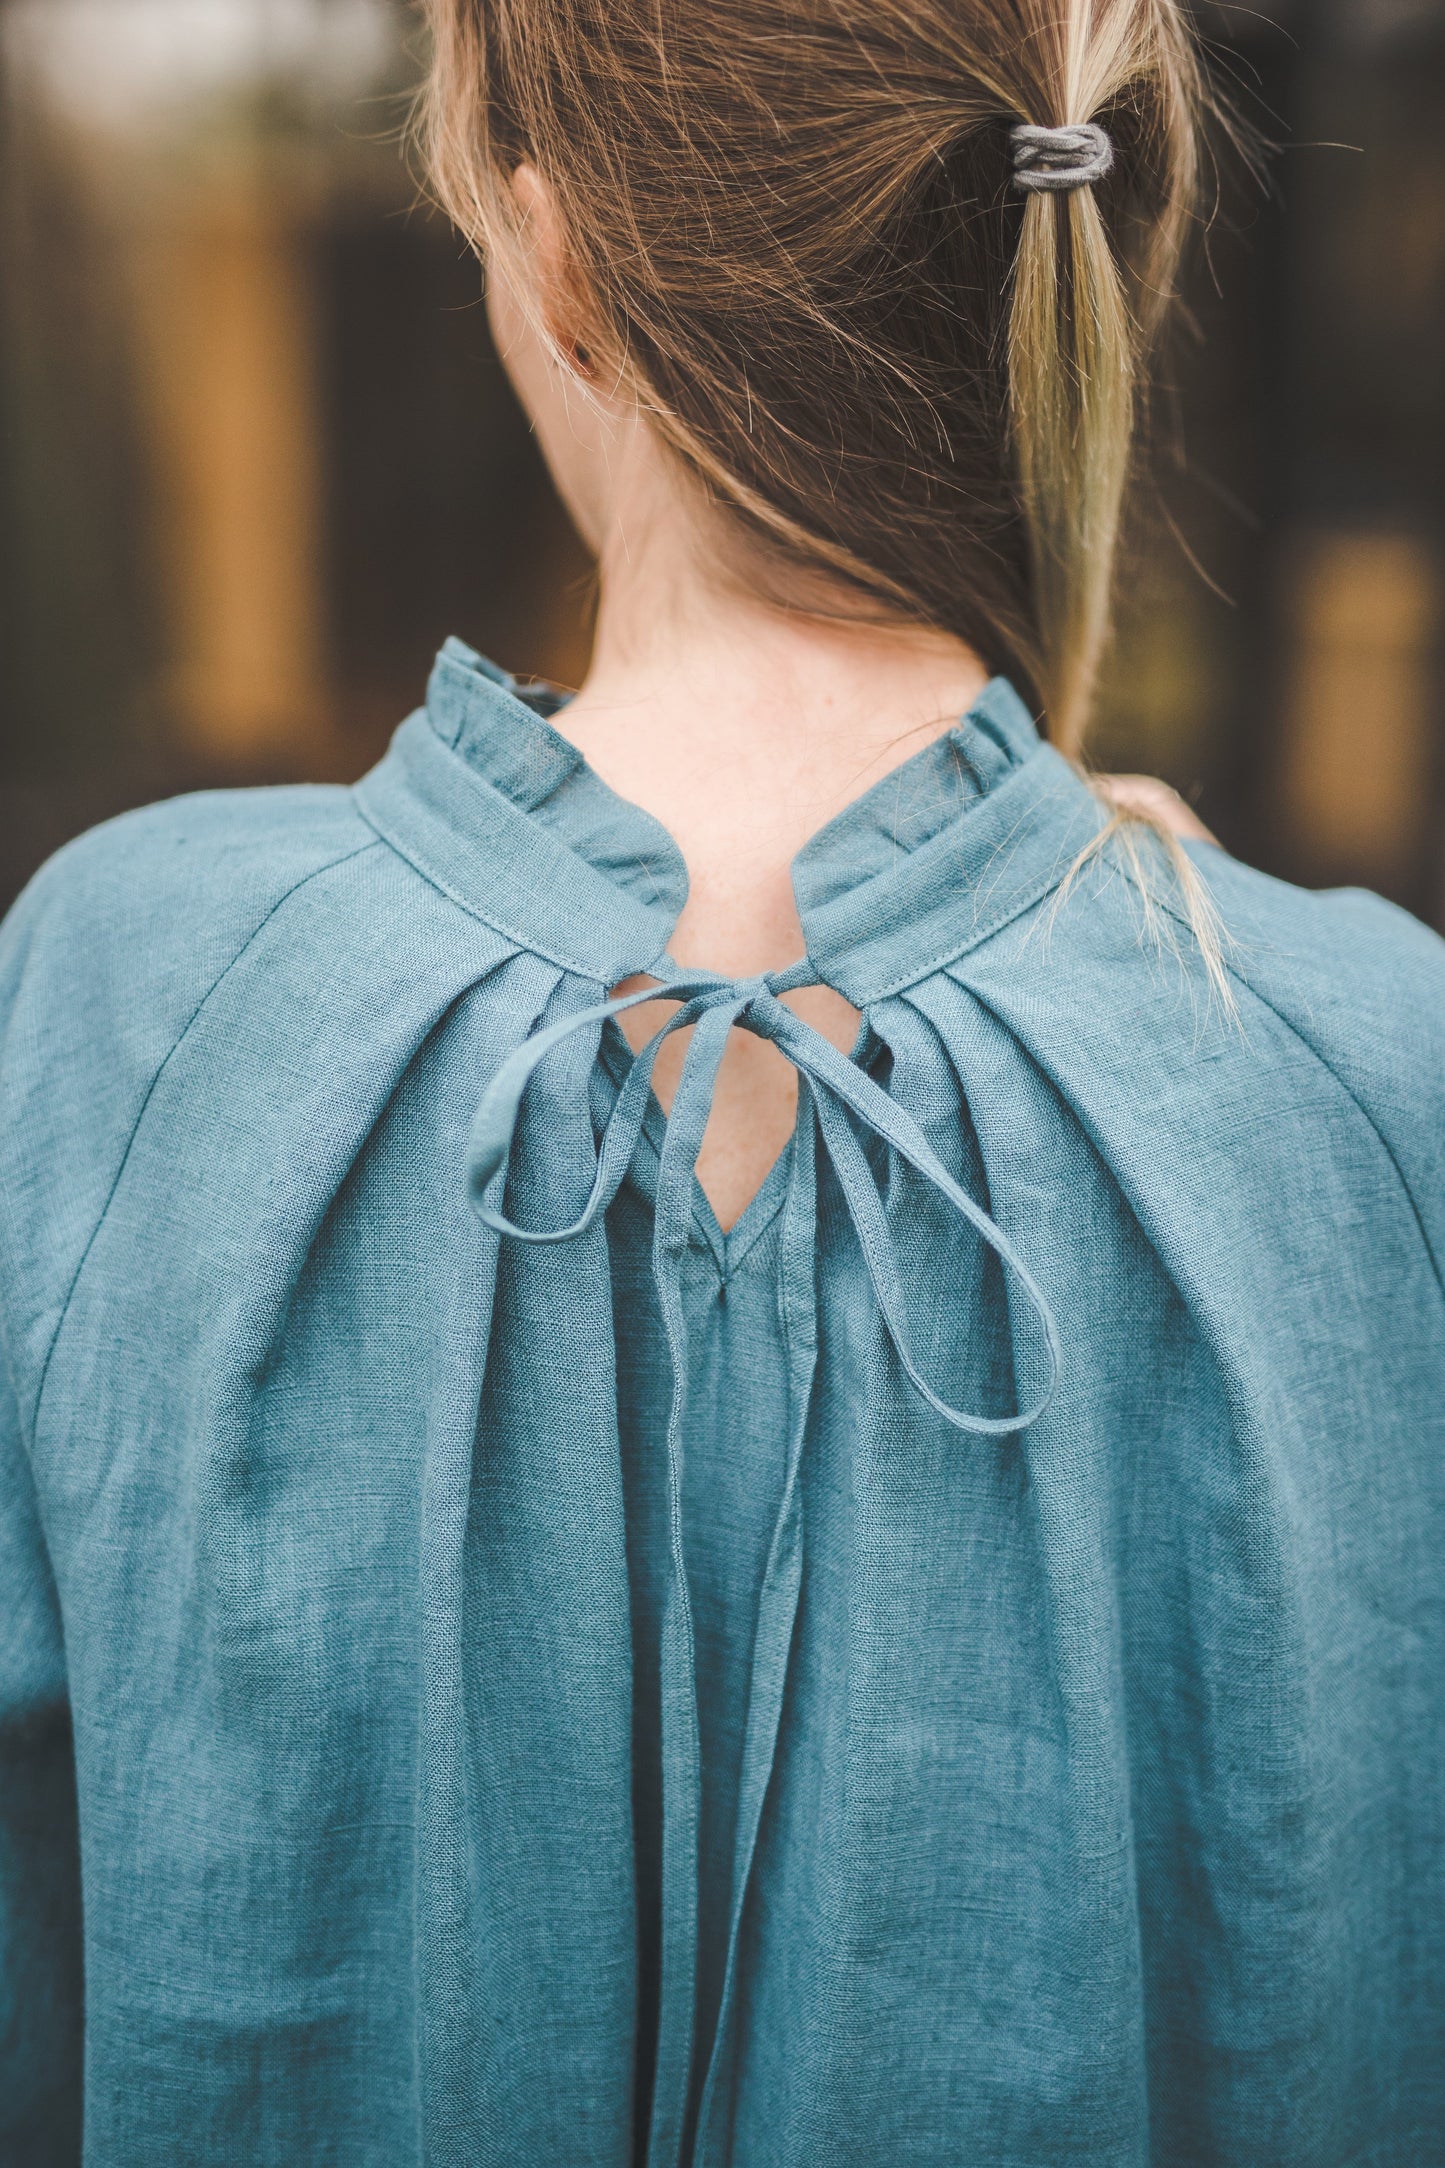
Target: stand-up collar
501	811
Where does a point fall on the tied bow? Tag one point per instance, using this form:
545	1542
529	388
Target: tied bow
838	1088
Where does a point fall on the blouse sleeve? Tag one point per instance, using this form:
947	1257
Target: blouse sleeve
40	1943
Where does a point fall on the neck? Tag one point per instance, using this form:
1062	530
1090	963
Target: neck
744	727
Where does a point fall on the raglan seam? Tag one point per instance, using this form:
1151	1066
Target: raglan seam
493	921
1436	1267
1365	1115
296	886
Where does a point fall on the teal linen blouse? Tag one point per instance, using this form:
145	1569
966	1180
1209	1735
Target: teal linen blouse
494	1670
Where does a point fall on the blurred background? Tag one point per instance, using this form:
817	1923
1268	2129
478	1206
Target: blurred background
257	457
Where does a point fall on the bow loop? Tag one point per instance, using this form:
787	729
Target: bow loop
494	1129
842	1094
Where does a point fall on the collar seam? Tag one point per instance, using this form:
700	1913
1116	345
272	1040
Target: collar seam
976	938
525	942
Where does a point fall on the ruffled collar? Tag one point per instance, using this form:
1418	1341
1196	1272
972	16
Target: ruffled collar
494	805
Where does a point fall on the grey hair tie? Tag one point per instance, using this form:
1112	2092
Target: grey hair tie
1050	161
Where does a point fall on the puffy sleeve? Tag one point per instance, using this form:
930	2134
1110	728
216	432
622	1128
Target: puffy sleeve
40	1963
106	960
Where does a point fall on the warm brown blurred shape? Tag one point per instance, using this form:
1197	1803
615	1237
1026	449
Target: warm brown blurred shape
257	457
1363	628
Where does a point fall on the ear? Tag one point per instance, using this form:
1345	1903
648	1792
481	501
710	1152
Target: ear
544	270
538	322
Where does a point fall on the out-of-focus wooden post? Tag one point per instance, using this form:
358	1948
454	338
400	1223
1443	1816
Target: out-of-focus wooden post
223	325
1363	626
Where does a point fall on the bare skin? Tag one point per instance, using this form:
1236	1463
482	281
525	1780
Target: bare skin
741	726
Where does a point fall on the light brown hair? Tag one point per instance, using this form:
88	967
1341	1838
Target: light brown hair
797	235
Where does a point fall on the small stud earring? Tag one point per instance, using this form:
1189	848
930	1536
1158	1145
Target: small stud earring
582	361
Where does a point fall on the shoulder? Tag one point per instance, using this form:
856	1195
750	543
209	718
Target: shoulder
189	868
1321	1076
1360	984
106	958
1342	994
123	932
1357	978
165	896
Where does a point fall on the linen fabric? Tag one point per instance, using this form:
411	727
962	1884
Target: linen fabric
467	1699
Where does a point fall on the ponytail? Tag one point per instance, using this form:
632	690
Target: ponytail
1090	284
1082	315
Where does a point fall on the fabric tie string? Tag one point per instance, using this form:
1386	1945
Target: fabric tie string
840	1088
840	1094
